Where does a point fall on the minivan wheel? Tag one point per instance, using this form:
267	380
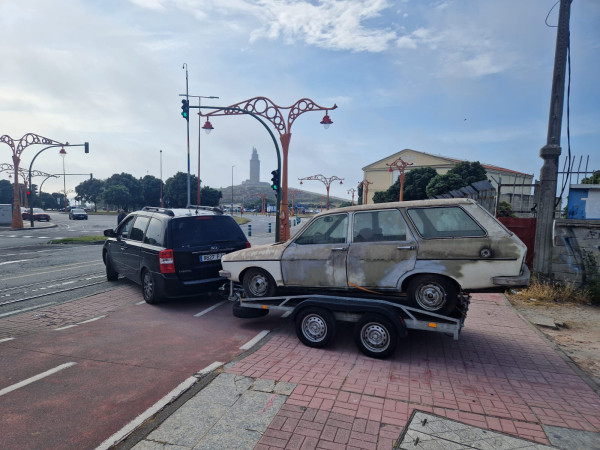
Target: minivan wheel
111	273
315	327
149	288
375	336
433	293
258	283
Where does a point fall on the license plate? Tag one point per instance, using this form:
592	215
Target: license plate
211	257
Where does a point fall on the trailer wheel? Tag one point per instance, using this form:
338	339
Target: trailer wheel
375	336
433	293
258	283
248	313
315	327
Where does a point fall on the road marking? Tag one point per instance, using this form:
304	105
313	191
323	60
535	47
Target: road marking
248	345
139	420
6	339
91	320
64	328
14	262
36	378
25	309
141	303
201	313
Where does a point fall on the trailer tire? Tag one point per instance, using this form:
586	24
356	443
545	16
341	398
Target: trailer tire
315	327
433	293
375	336
248	313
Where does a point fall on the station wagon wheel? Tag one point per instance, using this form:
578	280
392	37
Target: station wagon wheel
258	283
149	288
375	336
315	327
433	293
111	273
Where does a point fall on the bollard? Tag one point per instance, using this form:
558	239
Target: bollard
249	229
269	227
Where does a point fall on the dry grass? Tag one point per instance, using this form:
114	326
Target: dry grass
552	292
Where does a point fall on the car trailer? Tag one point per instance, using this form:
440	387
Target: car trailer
379	322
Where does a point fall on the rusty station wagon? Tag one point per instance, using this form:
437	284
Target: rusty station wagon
429	249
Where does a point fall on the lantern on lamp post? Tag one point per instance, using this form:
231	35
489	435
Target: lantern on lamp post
399	164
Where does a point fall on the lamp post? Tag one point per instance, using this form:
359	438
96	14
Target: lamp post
326	181
63	153
399	164
232	189
27	140
265	107
162	201
352	190
364	184
293	196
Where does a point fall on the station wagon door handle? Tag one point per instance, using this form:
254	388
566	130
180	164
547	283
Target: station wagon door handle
406	247
339	249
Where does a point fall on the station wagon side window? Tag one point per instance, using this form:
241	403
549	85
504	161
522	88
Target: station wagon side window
125	228
444	222
154	234
139	226
331	229
373	226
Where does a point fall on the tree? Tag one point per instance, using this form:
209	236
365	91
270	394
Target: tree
176	190
117	194
151	190
90	191
470	172
210	196
6	192
440	184
131	184
594	179
505	210
416	181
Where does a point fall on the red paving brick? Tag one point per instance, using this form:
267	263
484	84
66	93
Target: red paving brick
501	375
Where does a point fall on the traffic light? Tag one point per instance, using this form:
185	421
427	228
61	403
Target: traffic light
185	109
275	180
29	193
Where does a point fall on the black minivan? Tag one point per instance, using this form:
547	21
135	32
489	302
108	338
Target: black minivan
172	252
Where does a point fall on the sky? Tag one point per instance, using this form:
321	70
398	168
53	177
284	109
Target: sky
466	79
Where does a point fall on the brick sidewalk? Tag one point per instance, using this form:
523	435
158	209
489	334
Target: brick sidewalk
500	375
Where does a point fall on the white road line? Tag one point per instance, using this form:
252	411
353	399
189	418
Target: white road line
254	340
26	309
64	328
36	378
201	313
91	320
141	303
14	262
6	339
139	420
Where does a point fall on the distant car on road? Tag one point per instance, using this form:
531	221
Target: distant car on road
78	214
38	214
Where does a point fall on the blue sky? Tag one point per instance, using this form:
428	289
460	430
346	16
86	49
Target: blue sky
468	79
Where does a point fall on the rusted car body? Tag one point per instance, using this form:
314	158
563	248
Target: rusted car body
430	249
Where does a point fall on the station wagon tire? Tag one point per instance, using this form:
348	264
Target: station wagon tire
433	293
315	327
375	336
248	313
111	273
149	288
258	283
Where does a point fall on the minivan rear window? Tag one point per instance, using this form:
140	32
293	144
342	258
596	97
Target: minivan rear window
204	230
445	222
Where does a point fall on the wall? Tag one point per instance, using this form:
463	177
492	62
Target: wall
573	240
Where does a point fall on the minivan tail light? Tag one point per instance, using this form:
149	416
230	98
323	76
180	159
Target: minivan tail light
165	260
248	245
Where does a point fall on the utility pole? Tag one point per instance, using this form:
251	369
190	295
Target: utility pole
550	153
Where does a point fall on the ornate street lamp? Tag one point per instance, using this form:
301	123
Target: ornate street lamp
264	107
352	190
399	164
326	181
364	184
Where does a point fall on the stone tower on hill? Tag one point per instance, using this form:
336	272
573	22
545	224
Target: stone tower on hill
254	167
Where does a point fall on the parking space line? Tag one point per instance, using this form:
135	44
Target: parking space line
91	320
36	378
25	309
248	345
6	339
135	423
201	313
141	303
64	328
